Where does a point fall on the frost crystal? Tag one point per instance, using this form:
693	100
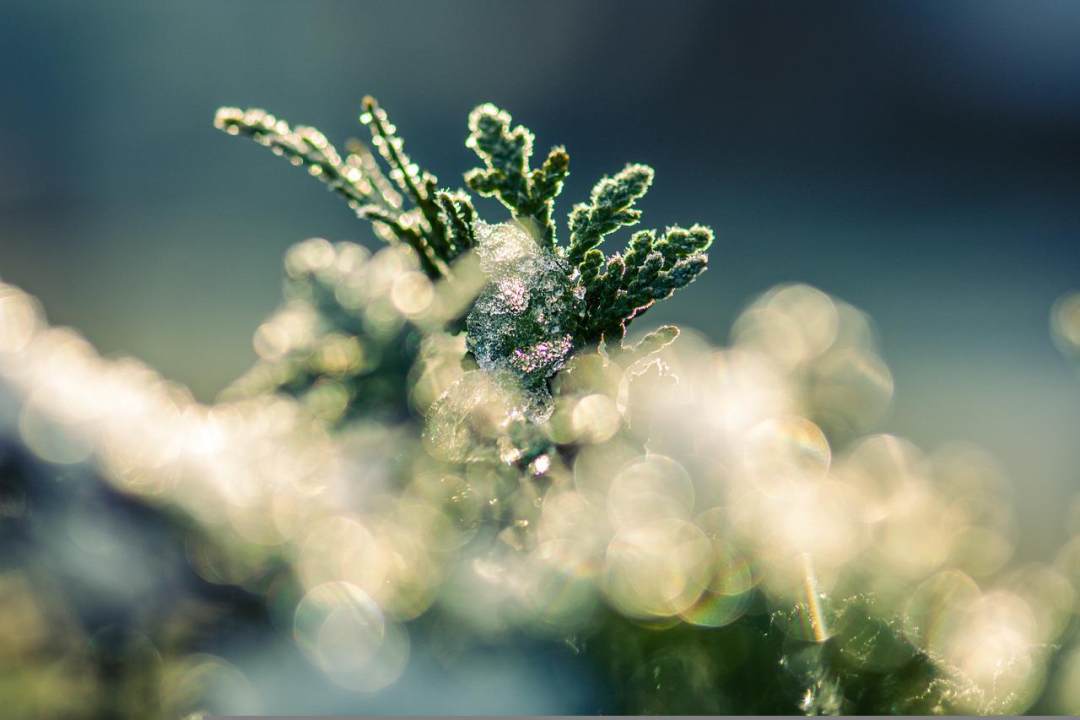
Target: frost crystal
524	318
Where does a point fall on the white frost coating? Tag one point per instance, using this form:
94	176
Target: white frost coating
523	320
502	244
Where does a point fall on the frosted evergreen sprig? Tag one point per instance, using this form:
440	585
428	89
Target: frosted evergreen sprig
460	220
622	287
354	178
443	224
528	193
611	205
419	185
359	179
619	288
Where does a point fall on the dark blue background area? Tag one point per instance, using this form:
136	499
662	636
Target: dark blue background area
920	160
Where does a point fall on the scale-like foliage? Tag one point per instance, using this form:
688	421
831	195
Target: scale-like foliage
623	287
611	206
529	194
442	224
460	220
438	230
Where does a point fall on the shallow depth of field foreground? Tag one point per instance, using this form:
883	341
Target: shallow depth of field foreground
734	369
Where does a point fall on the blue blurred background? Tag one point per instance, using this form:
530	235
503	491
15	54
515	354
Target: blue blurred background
920	160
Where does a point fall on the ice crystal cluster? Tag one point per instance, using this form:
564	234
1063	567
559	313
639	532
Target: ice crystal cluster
451	441
523	319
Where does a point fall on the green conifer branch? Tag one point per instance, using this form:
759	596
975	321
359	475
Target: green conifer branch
361	158
611	205
442	224
547	182
357	178
528	194
414	182
418	184
460	220
302	146
651	269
